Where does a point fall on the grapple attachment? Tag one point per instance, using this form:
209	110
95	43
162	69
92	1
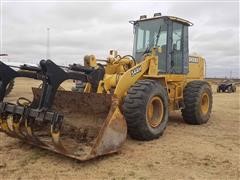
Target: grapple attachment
78	125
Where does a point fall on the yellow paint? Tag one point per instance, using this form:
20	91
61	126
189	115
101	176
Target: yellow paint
197	68
88	88
130	77
122	73
90	61
155	111
205	103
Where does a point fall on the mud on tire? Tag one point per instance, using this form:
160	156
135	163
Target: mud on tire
194	111
135	109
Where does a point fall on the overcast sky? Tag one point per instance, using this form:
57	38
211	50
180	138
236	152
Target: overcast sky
80	28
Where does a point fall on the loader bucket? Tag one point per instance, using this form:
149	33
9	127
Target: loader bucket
92	126
78	125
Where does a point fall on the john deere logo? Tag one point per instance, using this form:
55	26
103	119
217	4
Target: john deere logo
136	71
193	59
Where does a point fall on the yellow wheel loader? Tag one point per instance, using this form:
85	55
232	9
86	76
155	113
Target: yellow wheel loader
123	94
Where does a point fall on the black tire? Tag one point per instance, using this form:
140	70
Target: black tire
9	87
135	109
193	96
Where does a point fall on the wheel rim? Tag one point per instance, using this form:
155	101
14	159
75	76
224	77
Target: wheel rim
155	111
205	103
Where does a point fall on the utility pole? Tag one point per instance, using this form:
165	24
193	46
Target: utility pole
48	44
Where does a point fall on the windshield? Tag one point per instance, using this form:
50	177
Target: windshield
147	34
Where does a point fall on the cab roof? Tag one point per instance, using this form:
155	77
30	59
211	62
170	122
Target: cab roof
173	18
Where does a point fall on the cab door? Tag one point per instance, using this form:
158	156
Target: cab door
178	49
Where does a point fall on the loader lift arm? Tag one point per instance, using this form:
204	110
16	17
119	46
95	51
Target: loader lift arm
146	67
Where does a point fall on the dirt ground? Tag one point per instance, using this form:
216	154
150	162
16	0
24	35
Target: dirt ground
210	151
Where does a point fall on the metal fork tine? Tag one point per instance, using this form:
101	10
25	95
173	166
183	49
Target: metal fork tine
9	121
56	125
57	142
17	126
29	122
4	125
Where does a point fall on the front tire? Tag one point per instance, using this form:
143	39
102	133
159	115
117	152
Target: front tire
198	102
146	110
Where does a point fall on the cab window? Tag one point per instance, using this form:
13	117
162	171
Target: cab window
177	48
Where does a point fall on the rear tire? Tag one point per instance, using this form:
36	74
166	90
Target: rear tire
198	102
146	110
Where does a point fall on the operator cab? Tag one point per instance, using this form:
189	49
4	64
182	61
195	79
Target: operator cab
167	33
